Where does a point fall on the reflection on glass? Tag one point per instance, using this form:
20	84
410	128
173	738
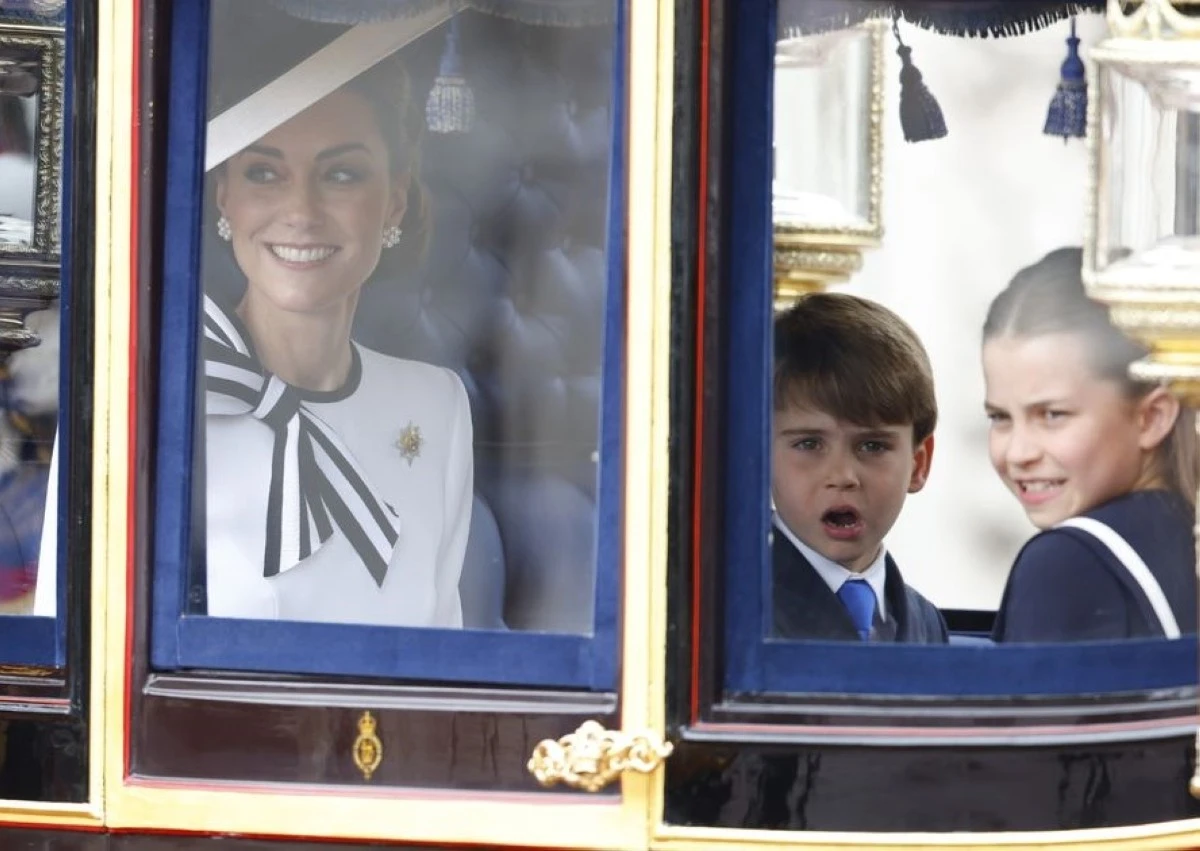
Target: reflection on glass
402	357
31	138
18	165
1150	167
827	155
28	418
822	144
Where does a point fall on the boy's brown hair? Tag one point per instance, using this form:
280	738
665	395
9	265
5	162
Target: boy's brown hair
855	360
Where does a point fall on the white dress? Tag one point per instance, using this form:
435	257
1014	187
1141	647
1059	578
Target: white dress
430	488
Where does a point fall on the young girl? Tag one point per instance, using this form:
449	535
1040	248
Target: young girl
1105	466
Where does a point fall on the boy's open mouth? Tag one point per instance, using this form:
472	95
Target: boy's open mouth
842	522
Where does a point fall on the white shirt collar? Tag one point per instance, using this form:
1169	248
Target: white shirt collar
834	574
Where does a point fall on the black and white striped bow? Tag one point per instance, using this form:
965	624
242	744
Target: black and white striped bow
316	485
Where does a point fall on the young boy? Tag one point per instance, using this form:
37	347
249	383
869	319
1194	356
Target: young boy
852	436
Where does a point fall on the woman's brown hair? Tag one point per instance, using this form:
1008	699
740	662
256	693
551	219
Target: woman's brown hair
386	87
1047	298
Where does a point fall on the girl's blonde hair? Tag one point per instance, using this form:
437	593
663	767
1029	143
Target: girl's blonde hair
1048	297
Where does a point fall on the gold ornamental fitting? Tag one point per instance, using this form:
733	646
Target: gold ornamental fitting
1171	332
799	271
1194	785
1181	377
806	262
592	757
367	750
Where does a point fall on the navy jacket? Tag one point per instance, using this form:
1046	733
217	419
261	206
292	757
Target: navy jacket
1067	586
804	607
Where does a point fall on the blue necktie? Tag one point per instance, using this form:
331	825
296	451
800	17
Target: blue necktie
858	598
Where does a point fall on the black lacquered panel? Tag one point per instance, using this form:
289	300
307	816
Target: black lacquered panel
14	839
425	741
931	789
43	760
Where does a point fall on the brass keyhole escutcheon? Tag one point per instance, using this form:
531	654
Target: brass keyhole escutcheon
368	749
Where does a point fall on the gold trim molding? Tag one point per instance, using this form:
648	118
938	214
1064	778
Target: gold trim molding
592	757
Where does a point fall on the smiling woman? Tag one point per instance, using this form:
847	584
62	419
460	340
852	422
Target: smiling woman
318	508
306	210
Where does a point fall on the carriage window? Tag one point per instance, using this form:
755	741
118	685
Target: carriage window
35	430
959	502
398	362
960	488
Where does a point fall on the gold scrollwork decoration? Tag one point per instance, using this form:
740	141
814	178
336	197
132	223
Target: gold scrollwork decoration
368	749
805	263
803	270
592	757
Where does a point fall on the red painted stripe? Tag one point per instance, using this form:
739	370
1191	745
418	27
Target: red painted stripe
134	283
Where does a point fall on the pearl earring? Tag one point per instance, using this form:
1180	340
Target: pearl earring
391	236
224	229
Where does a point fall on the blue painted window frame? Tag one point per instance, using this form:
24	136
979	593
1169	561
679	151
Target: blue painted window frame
755	663
39	640
181	641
